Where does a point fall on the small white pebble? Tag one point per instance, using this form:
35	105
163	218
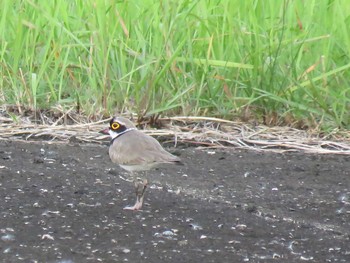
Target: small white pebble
234	242
47	236
241	226
275	256
8	237
168	233
306	258
196	227
126	250
7	250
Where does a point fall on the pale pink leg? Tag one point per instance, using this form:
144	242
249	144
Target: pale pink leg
140	189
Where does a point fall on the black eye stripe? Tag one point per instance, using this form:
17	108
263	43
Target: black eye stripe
117	127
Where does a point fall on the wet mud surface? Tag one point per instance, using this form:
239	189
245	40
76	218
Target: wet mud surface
63	203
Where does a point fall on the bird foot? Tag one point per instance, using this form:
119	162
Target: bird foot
136	207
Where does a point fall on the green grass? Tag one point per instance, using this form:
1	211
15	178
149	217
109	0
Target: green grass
278	62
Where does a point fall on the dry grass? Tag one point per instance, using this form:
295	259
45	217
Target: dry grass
192	131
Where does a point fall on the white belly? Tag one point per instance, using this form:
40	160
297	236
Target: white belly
136	168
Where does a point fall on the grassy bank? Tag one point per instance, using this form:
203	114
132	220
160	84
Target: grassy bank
277	62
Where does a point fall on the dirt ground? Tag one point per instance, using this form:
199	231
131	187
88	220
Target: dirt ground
63	203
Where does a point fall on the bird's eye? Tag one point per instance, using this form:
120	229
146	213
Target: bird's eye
115	125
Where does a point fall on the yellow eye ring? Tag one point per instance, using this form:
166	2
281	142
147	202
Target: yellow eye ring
115	125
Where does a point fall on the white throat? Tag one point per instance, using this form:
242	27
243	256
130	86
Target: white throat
115	134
